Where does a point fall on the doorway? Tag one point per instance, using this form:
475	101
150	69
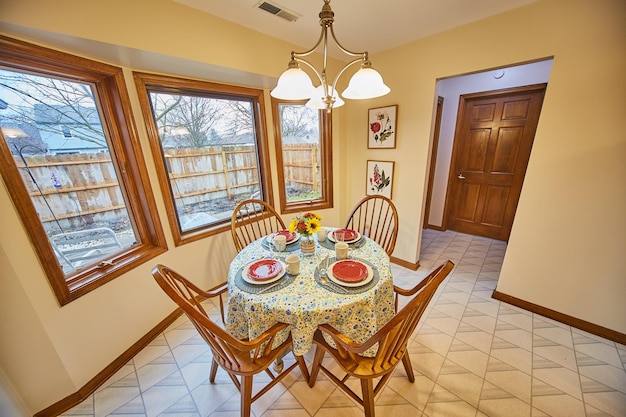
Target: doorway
451	89
492	143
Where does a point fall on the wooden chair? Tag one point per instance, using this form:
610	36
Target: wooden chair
376	217
392	341
251	220
239	358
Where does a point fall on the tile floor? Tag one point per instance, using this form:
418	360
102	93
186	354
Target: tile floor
473	356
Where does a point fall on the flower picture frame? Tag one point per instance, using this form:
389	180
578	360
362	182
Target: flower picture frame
379	178
381	127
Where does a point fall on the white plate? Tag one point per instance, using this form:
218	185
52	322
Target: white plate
246	277
331	237
370	275
271	235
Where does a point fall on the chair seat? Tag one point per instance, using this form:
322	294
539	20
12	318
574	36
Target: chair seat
364	366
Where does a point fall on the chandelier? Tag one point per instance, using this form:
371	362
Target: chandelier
295	84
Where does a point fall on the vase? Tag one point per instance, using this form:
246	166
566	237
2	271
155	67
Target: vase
307	245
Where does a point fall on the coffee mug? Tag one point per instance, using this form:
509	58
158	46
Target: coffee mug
321	234
280	242
293	264
341	250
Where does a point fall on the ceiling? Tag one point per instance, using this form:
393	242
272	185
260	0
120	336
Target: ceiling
374	25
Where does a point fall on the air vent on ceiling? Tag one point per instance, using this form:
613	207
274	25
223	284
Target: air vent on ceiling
278	10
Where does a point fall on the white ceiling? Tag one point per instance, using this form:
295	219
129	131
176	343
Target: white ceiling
360	25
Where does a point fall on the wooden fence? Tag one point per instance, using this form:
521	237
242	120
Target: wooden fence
80	189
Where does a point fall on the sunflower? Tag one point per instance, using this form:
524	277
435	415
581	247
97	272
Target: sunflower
293	225
313	225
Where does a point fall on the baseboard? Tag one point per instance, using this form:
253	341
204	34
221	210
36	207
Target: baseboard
404	263
88	389
434	227
562	318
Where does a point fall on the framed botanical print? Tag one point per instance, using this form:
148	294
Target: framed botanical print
382	127
380	178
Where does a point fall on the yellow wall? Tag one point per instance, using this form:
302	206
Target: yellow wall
567	246
569	235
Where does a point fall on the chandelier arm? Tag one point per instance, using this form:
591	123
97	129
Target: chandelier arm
348	65
310	51
363	55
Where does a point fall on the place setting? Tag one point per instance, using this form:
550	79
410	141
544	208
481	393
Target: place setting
266	275
351	237
281	241
346	276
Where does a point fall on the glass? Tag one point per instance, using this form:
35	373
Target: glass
304	137
272	247
323	265
210	153
54	129
301	152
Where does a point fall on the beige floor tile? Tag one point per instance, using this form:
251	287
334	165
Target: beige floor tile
480	321
610	403
559	405
607	375
509	407
561	355
416	393
514	382
449	409
477	339
428	364
466	386
517	357
434	340
340	412
312	398
562	379
474	361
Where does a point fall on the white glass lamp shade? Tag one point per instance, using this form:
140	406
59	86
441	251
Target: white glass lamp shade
293	84
366	83
317	99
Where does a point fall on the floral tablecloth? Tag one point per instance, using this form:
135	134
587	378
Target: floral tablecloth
304	303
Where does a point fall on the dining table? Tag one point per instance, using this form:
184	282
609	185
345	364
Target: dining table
306	299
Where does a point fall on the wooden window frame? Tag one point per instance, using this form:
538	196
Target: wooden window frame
326	146
114	106
144	82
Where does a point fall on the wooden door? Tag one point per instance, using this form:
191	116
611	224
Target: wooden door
492	144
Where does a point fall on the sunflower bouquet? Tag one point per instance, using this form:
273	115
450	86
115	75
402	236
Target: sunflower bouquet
306	224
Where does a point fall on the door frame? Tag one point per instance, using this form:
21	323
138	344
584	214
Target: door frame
459	120
433	164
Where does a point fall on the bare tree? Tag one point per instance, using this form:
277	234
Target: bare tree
50	105
240	118
186	121
297	120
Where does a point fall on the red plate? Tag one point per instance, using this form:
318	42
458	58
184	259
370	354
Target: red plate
265	269
290	236
349	234
349	271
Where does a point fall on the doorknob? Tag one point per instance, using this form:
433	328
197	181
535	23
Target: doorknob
460	176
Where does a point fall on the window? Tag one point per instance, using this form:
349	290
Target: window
66	131
84	199
303	156
211	149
